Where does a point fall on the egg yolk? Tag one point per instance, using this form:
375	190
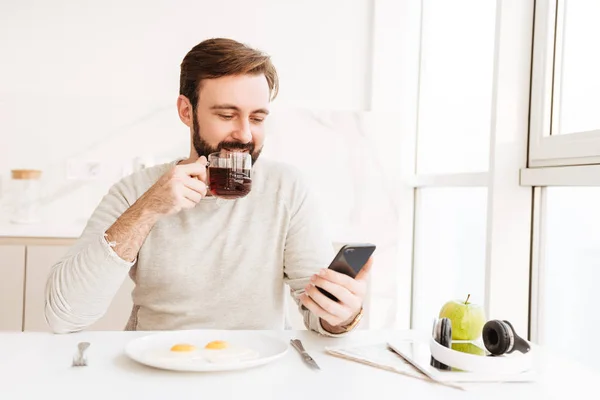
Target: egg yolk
183	347
216	345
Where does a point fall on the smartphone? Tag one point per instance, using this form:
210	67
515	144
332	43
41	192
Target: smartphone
349	261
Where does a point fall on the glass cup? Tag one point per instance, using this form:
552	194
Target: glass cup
229	174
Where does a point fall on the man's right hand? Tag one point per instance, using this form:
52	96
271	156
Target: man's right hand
180	188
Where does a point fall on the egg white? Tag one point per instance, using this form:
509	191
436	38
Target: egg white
166	355
229	355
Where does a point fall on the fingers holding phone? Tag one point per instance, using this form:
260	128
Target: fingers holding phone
340	286
336	294
335	313
349	292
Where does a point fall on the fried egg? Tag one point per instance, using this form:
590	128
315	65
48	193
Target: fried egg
215	352
218	352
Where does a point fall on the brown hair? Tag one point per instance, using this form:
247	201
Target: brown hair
214	58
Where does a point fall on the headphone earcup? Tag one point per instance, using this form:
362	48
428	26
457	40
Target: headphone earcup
496	337
446	333
442	333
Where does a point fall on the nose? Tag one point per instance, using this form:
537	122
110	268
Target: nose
243	134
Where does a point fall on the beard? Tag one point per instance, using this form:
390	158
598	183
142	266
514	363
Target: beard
204	149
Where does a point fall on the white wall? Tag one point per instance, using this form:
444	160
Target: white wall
98	80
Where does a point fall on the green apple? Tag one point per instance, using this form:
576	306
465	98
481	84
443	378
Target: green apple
467	319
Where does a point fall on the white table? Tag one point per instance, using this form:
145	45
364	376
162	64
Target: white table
38	366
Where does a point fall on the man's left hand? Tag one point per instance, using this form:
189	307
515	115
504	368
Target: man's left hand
350	292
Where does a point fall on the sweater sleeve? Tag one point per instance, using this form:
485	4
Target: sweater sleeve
308	248
81	286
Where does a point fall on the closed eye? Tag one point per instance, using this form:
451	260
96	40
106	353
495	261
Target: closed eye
225	117
257	120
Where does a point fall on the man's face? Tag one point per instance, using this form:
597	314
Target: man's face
230	115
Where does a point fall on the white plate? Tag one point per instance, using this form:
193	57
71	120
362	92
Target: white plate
154	350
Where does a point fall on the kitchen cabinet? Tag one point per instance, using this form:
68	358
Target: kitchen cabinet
12	275
40	259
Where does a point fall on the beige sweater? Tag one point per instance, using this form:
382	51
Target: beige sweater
221	265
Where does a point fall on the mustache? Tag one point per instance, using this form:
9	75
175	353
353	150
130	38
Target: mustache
236	146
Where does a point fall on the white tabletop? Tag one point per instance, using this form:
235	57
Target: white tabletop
38	365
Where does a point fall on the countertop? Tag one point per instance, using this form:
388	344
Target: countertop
44	229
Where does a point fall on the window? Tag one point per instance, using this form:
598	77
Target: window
450	243
577	103
455	86
471	142
462	96
453	144
571	271
564	165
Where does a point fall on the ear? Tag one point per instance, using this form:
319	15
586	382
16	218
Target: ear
185	111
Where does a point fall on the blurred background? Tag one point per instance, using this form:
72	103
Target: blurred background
460	136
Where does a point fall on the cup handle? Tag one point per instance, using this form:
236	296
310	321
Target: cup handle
207	177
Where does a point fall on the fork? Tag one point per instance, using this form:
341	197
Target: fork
80	360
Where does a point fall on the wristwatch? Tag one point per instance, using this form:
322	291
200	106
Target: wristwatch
354	322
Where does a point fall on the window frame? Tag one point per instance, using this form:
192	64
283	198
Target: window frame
554	160
546	149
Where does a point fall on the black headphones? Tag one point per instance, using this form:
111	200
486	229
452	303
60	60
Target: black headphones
499	337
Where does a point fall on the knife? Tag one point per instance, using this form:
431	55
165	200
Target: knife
297	344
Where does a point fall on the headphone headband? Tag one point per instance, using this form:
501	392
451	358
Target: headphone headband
469	362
